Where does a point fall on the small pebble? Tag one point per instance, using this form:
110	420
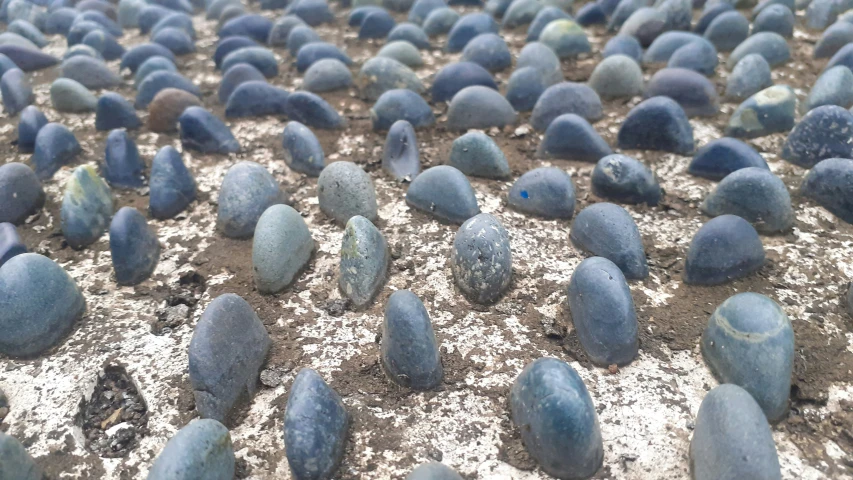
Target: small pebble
481	260
89	72
724	249
617	76
566	38
692	90
68	95
453	77
570	137
134	247
749	76
114	111
166	108
344	190
380	74
247	190
409	351
771	110
545	191
313	111
281	248
445	193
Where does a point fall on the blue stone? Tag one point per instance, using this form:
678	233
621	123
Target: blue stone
697	56
128	12
21	193
455	76
750	76
234	76
16	462
771	110
204	132
496	8
134	57
29	123
618	76
709	14
150	15
545	16
380	74
26	10
302	151
409	351
178	21
476	154
175	5
624	9
82	50
122	167
467	27
603	312
175	40
591	14
433	471
152	65
231	12
445	193
228	45
440	21
10	38
11	244
281	30
101	6
833	87
134	247
59	21
623	45
646	24
829	184
16	91
345	190
55	146
727	31
821	13
6	64
400	104
665	45
357	15
724	249
315	427
259	57
28	31
376	24
562	98
481	260
489	51
607	230
363	271
28	59
421	9
300	36
326	75
524	88
657	123
763	4
282	247
411	33
545	192
313	12
608	6
844	57
253	26
775	18
86	208
172	186
542	58
400	157
552	409
247	190
256	99
833	39
757	196
824	132
228	347
679	13
202	449
402	51
104	43
313	111
692	90
313	52
769	45
114	111
160	80
721	157
39	303
215	8
566	38
68	95
479	107
571	137
520	12
624	179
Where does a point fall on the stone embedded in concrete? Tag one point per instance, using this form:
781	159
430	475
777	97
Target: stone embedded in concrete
481	260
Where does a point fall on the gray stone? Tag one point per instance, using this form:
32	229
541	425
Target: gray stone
479	107
21	193
246	192
281	248
408	351
617	76
364	261
481	260
15	462
68	95
754	194
344	190
445	193
380	74
476	154
202	449
607	230
433	471
86	207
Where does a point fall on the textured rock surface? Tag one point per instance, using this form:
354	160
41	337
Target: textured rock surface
481	260
281	248
364	261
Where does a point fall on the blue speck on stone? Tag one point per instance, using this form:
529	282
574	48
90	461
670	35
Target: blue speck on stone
479	107
481	260
775	18
67	95
489	51
624	179
724	249
380	74
316	51
570	137
455	76
152	65
114	111
281	248
476	154
830	184
122	166
467	27
172	186
28	59
562	98
376	24
204	132
281	30
445	193
201	449
709	13
607	230
11	244
313	12
623	45
21	193
409	352
771	110
400	157
364	263
400	104
545	192
228	45
833	87
261	58
524	88
134	57
344	190
433	471
727	31
16	91
658	123
757	196
769	45
326	75
86	208
665	45
833	39
750	76
692	90
591	14
724	156
247	190
104	43
234	76
440	21
134	247
311	110
175	40
302	151
824	132
545	16
160	80
29	123
617	76
409	32
55	146
253	26
697	56
552	409
566	38
256	99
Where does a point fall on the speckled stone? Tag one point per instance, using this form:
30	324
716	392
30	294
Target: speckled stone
134	247
302	151
724	249
281	248
624	179
830	184
822	133
345	190
409	352
166	108
771	110
21	193
546	192
754	194
364	261
202	449
481	260
172	186
86	208
476	154
247	190
445	193
313	111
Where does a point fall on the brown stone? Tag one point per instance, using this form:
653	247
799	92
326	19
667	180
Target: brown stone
167	106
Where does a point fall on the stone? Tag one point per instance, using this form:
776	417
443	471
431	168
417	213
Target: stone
562	98
104	43
122	167
721	157
481	260
228	45
400	156
300	36
364	264
433	471
624	9
821	13
15	461
247	190
11	245
570	137
82	51
313	12
134	57
422	8
657	123
30	122
59	21
67	95
313	111
228	347
16	91
731	437
552	409
409	32
315	427
489	51
724	249
114	111
695	94
202	449
21	193
80	28
359	13
645	24
151	65
698	56
445	193
543	17
149	15
476	154
709	13
617	76
28	31
667	44
824	132
400	104
380	74
833	39
281	30
623	45
679	13
546	192
55	146
402	51
520	12
40	304
844	56
253	26
86	208
259	57
160	80
176	40
833	87
312	52
28	59
172	186
302	151
180	21
376	24
6	64
829	184
282	247
757	196
624	179
167	106
524	88
749	76
409	351
135	248
607	230
771	110
440	21
479	107
727	31
775	18
769	45
345	190
256	99
453	77
205	133
327	75
467	27
566	38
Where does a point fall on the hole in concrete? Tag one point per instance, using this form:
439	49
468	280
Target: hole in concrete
114	418
179	304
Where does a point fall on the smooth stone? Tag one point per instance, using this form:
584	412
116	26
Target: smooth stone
55	146
381	74
546	192
16	91
668	43
421	9
692	90
114	111
39	304
402	51
174	5
400	104
234	76
315	427
104	43
624	179
160	80
607	230
316	51
775	18
302	151
727	31
723	156
481	260
253	26
313	12
657	123
175	40
247	190
59	21
21	193
101	6
750	76
327	75
409	352
256	99
566	38
520	12
135	56
769	45
259	57
86	208
445	193
433	471
300	36
830	184
231	12
30	122
608	6
204	132
552	409
645	24
489	51
128	12
228	347
467	27
497	8
313	111
440	21
409	32
732	439
545	16
763	4
67	95
281	30
455	76
153	64
623	45
15	462
833	39
771	110
710	13
479	107
542	58
476	154
591	14
80	28
364	264
824	132
757	196
172	186
6	64
563	98
11	245
833	87
376	24
624	9
679	13
571	137
134	247
28	59
698	56
821	13
202	449
617	76
149	15
724	249
281	248
178	21
345	190
83	51
400	157
28	31
228	45
166	108
122	166
843	56
524	88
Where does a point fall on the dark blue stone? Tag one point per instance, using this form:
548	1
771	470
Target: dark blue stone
202	449
732	439
468	27
82	50
152	65
724	156
122	166
623	45
750	76
150	15
657	123
562	98
28	31
159	80
545	192
566	38
86	207
545	16
175	40
21	193
724	249
315	427
445	193
59	21
844	56
727	31
315	51
830	184
175	5
481	260
775	18
179	21
709	14
228	45
433	471
422	8
769	45
253	26
692	90
489	51
609	6
411	33
247	190
11	244
256	99
646	25
440	21
552	409
400	157
313	111
134	57
258	57
28	59
821	13
698	56
345	190
591	14
313	12
302	151
400	104
172	186
833	39
281	30
80	28
665	45
524	88
357	15
607	230
624	179
409	351
29	123
114	111
822	133
204	132
623	11
376	24
454	77
757	196
300	36
107	24
234	76
134	247
90	72
55	146
104	43
570	137
16	91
